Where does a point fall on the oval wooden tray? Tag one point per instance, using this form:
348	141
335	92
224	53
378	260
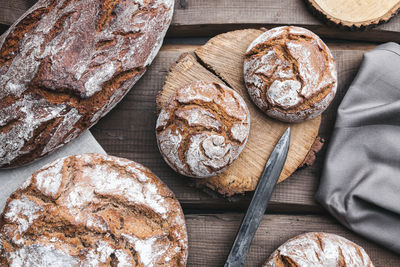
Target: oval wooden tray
221	60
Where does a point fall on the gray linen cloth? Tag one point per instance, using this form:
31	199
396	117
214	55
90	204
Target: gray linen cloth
360	183
10	179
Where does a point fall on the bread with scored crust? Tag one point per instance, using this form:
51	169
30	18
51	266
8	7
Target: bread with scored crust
290	74
64	64
202	129
318	249
93	210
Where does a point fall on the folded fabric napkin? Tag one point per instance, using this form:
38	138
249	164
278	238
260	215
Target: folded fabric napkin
11	179
360	184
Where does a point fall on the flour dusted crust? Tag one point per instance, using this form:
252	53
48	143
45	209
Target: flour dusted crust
64	64
319	249
93	210
290	74
202	129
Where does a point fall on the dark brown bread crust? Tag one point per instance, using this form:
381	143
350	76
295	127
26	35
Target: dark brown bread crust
65	64
202	129
290	74
93	210
318	249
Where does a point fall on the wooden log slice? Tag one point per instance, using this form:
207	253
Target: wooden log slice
355	14
221	60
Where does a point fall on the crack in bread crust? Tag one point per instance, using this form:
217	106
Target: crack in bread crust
93	209
66	63
202	129
290	74
318	249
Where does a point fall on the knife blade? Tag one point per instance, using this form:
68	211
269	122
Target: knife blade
258	204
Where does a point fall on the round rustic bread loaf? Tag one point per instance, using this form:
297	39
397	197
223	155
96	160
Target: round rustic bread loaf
93	210
65	64
319	249
202	129
290	74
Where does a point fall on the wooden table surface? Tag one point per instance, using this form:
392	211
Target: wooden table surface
128	130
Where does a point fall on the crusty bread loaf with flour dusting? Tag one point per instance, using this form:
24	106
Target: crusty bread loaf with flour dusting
319	249
290	74
93	210
64	64
202	129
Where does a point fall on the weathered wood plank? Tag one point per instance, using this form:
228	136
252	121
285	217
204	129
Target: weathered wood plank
210	17
128	131
210	237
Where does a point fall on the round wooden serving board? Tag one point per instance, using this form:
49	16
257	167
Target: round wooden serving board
355	14
221	60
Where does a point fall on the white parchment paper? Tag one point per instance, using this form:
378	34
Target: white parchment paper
11	179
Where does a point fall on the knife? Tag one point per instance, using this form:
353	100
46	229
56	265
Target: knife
258	204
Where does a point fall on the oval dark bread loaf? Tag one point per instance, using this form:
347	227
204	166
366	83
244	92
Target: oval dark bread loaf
64	64
93	210
319	249
290	74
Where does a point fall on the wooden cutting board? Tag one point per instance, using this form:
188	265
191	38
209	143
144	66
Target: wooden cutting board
221	60
355	14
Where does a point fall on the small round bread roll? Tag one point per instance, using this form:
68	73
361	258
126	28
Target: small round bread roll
202	129
93	210
318	249
290	74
